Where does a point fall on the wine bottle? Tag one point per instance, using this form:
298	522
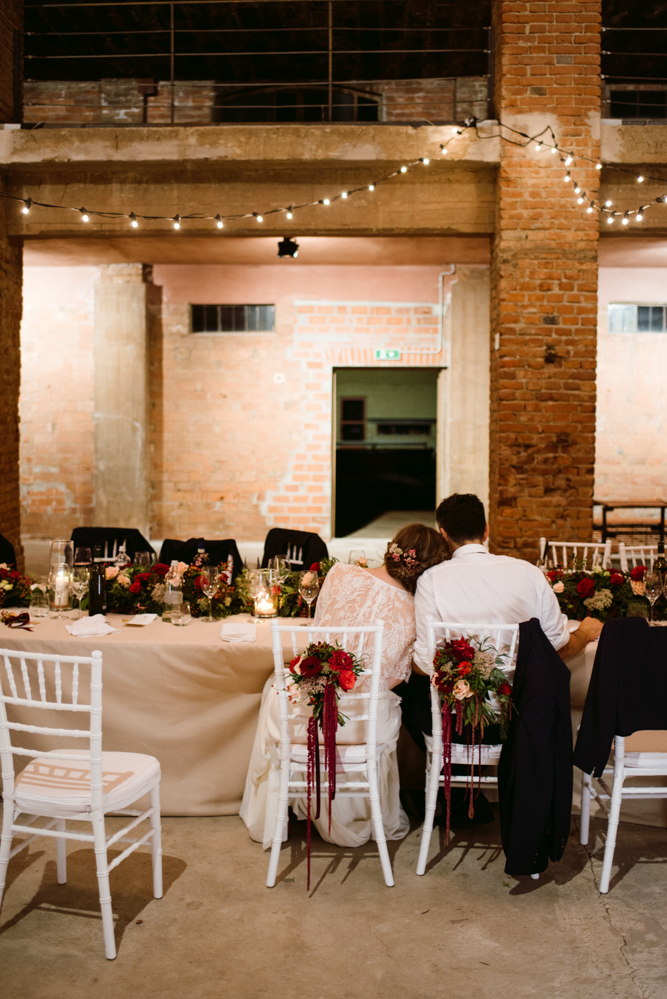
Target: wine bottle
660	564
97	588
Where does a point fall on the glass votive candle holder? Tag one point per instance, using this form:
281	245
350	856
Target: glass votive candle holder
59	587
266	603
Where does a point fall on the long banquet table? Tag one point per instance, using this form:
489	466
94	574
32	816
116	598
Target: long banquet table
190	699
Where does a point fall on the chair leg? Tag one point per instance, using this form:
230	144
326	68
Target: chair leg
433	767
102	864
5	843
612	827
156	842
280	826
61	853
586	794
377	824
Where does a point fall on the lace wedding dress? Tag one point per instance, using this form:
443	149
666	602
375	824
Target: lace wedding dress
350	596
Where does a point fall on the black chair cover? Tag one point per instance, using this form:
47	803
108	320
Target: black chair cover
7	553
186	551
301	547
110	539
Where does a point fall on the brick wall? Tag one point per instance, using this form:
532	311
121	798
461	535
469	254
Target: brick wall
10	365
11	21
134	101
544	278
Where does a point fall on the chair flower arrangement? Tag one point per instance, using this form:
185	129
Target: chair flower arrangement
602	593
14	588
317	677
466	677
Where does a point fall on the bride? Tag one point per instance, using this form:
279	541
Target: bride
353	595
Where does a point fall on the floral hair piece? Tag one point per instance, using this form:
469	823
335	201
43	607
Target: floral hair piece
408	558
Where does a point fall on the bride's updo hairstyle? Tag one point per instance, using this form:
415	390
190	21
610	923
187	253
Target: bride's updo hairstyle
414	550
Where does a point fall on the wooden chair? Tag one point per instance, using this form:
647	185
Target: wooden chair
64	784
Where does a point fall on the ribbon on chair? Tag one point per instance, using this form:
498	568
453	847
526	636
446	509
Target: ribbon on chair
329	721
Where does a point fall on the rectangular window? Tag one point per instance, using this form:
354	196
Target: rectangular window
637	318
232	318
353	419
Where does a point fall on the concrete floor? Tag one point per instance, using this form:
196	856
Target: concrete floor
465	928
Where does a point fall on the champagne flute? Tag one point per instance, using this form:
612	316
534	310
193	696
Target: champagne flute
652	589
80	583
309	584
209	574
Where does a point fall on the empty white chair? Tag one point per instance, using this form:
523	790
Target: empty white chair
356	765
568	553
503	638
64	784
643	754
632	555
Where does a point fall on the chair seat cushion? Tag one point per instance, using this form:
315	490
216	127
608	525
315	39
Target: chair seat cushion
462	754
345	755
49	781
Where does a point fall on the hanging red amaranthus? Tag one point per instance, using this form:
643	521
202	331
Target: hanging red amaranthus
465	676
317	677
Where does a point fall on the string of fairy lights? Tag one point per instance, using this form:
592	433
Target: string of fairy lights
542	141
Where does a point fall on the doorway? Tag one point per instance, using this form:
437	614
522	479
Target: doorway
385	432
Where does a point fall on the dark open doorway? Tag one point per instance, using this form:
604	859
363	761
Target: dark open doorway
385	443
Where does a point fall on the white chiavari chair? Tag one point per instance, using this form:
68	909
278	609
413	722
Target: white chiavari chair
568	553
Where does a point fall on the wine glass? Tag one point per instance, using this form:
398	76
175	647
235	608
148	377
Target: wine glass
309	584
358	556
143	559
652	589
281	566
209	574
254	584
80	583
83	556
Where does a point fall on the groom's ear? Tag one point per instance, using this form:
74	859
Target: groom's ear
486	533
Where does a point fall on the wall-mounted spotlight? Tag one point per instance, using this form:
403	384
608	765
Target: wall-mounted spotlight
288	248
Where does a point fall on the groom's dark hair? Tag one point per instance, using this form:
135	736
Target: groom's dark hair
461	516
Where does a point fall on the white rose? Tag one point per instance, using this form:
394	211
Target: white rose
559	586
461	690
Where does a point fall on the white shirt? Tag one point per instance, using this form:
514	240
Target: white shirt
475	586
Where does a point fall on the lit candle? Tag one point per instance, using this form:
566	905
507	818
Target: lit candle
61	589
265	605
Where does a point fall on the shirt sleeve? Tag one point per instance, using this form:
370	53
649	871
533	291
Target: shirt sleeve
424	608
554	623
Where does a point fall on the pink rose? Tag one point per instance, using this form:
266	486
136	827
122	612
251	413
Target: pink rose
111	571
559	586
461	690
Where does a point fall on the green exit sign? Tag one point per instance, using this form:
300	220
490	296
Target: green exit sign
387	355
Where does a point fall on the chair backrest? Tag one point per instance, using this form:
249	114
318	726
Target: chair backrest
565	553
632	555
347	638
218	552
503	638
110	539
39	689
7	553
302	548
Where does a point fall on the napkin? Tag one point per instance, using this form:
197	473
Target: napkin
89	627
238	632
142	619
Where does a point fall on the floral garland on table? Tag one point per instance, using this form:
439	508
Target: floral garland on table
465	678
602	593
290	602
15	589
133	588
317	676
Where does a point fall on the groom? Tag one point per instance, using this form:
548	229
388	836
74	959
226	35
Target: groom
476	586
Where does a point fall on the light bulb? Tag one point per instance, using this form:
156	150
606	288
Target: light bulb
568	160
608	203
554	150
598	166
443	149
639	216
371	187
538	147
404	169
456	130
344	194
325	201
219	222
425	160
133	220
177	221
610	219
84	215
640	179
625	220
26	206
580	201
567	178
589	209
258	217
288	213
577	189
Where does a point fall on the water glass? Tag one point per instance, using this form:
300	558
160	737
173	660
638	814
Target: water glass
143	559
180	614
358	557
39	600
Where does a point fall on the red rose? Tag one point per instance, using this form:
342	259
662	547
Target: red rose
347	679
135	587
585	588
198	583
505	689
310	666
553	575
616	579
462	650
638	573
340	660
315	567
141	577
464	669
161	569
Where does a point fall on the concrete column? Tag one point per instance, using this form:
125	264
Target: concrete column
467	444
121	476
544	276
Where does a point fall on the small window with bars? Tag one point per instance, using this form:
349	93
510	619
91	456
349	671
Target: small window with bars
637	318
232	318
353	419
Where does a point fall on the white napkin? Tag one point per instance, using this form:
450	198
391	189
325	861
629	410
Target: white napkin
142	619
90	627
238	632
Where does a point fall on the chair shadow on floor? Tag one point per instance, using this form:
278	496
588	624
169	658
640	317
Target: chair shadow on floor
131	887
635	845
335	855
